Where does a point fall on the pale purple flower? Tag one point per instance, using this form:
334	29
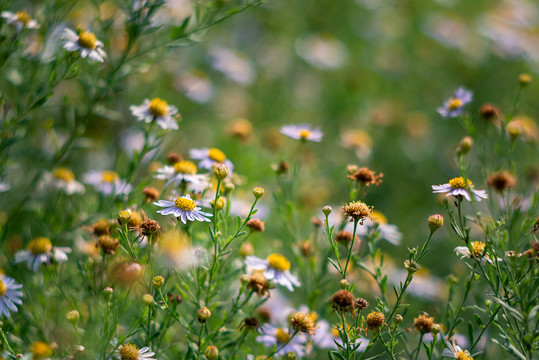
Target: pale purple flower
460	187
107	182
183	208
302	132
209	157
11	296
276	268
454	106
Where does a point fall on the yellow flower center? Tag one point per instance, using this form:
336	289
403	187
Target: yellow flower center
3	288
478	248
109	176
41	350
334	332
216	155
129	352
463	355
304	134
158	107
23	17
87	40
454	103
379	217
185	167
282	336
185	204
64	174
40	245
460	183
278	262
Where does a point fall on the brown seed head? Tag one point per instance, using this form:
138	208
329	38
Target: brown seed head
174	298
344	237
135	220
256	225
107	244
303	323
173	158
501	180
374	320
251	322
489	112
361	304
343	300
151	194
358	211
366	177
423	323
258	284
150	227
317	222
102	227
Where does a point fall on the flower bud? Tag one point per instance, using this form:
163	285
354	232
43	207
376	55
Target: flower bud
514	129
220	171
219	204
411	266
246	249
524	79
290	355
229	187
327	210
108	291
147	299
435	222
344	284
73	317
435	329
158	282
212	352
203	314
465	145
258	192
397	319
124	216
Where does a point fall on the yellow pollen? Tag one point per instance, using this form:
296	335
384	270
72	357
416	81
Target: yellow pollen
158	107
185	204
185	167
460	183
454	103
129	352
3	288
379	217
304	134
463	355
87	40
40	245
23	17
64	174
278	262
109	176
216	155
281	336
478	248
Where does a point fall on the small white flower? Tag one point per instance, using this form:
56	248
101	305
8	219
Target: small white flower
454	351
10	296
157	110
195	86
478	251
85	43
107	182
132	352
273	336
64	179
323	52
233	65
302	132
40	250
460	187
276	268
20	20
184	171
210	157
388	232
184	208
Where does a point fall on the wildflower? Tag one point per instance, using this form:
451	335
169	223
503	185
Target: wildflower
196	86
278	337
241	129
73	316
423	323
150	194
156	110
184	208
182	171
344	237
501	180
327	337
303	323
360	304
411	266
107	244
524	79
101	227
40	250
128	273
251	322
20	20
453	107
374	320
107	182
10	296
454	351
63	178
327	210
247	249
302	132
124	216
220	172
366	177
276	268
173	158
258	192
343	300
203	315
147	299
387	231
321	51
435	222
135	220
210	157
233	65
357	211
85	43
489	112
41	350
256	225
460	187
158	282
132	352
212	352
465	145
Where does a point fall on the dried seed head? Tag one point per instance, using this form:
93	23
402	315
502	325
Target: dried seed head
107	244
174	298
343	300
251	322
256	225
173	158
281	168
489	112
101	227
501	180
423	323
258	283
150	227
366	176
344	237
374	320
358	211
361	304
135	220
317	222
151	194
303	323
247	249
306	248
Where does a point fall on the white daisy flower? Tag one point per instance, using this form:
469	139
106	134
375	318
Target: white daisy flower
460	187
157	110
454	351
4	186
273	336
10	296
478	251
64	179
182	171
40	250
132	352
388	232
276	268
184	208
302	132
20	20
107	182
85	43
455	105
210	157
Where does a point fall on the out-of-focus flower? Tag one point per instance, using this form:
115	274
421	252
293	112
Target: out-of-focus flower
276	268
196	86
233	65
10	296
20	20
359	141
501	180
184	171
454	351
321	51
184	208
327	337
241	128
156	110
175	248
523	126
479	251
107	182
388	232
210	157
40	250
278	337
85	43
41	350
455	105
302	132
64	179
460	187
4	186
